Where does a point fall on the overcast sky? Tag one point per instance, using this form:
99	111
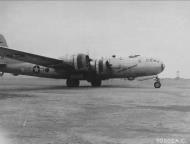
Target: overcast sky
54	29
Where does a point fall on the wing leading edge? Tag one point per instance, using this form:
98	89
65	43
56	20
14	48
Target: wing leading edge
33	58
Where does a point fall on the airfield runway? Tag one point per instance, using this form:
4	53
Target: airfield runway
44	111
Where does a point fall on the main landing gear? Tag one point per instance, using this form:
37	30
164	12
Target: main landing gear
76	83
72	83
157	83
96	83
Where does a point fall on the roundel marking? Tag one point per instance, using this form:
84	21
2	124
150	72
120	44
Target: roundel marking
36	69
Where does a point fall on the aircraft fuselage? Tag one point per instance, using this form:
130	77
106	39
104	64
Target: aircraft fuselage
104	68
77	67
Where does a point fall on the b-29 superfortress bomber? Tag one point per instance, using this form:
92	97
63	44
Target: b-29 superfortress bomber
78	67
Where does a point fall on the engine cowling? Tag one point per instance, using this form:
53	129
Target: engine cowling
80	62
101	66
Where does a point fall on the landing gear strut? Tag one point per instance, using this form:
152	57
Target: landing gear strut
72	83
157	83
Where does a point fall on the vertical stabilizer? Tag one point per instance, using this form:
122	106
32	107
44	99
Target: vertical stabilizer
3	41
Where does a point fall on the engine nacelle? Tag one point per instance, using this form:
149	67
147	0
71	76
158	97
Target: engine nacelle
80	62
101	67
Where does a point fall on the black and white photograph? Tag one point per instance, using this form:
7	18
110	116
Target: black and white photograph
94	72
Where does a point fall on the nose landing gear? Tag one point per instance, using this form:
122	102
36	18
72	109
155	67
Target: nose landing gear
157	83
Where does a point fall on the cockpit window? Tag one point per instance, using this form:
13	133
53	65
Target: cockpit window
134	56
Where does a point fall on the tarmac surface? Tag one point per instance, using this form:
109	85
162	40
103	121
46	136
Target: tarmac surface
44	111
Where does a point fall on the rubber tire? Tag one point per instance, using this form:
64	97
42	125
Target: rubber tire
96	83
157	85
76	83
69	83
72	83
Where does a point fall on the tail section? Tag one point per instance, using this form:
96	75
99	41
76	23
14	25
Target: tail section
3	41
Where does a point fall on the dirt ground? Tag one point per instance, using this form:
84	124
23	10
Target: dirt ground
44	111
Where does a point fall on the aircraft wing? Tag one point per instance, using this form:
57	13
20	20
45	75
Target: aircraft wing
32	58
